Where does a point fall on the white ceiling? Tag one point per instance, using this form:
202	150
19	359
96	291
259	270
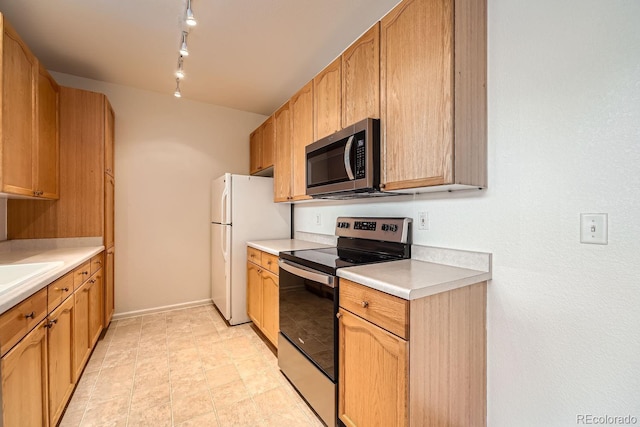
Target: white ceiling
249	55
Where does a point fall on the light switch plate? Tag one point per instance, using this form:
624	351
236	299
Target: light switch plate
594	228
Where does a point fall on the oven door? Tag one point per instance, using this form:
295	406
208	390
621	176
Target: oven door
308	304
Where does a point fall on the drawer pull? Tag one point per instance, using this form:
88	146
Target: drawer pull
338	315
85	272
30	315
65	289
364	304
92	281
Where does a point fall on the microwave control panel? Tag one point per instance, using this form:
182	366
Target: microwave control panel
361	157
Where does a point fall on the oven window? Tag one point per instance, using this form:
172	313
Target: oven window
326	165
307	313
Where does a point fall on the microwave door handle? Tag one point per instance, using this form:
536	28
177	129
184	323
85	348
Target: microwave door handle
347	158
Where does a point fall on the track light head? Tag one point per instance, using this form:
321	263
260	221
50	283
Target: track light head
184	51
180	69
177	93
191	20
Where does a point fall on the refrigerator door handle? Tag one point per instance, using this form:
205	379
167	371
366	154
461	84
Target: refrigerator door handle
223	206
223	244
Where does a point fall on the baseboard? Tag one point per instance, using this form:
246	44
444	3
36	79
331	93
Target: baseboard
136	313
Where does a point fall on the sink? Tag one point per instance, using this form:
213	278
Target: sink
12	275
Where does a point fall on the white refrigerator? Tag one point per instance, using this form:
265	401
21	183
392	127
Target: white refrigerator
242	209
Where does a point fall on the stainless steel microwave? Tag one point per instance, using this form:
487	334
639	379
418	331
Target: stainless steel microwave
346	164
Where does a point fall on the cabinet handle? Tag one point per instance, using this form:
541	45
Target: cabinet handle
92	281
338	315
98	262
382	185
85	272
62	289
364	304
30	315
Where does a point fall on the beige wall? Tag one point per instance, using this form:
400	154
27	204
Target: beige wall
166	152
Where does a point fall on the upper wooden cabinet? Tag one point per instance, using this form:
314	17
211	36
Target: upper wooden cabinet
29	133
433	94
262	148
46	170
301	105
327	93
80	211
255	151
361	78
29	121
282	171
109	138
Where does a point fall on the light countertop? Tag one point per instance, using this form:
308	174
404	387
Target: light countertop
274	247
71	257
412	279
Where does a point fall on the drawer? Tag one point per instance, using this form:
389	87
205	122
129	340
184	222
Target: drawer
254	255
270	262
97	262
384	310
18	321
59	290
81	274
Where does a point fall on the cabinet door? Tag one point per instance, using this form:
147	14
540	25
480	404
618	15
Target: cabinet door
327	94
47	139
96	306
81	345
109	138
109	210
282	165
24	381
416	75
268	143
255	151
61	366
254	293
377	362
109	286
18	114
361	78
270	324
301	105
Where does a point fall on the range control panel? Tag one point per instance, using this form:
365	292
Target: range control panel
387	229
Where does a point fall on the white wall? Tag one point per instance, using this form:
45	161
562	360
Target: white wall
166	152
564	138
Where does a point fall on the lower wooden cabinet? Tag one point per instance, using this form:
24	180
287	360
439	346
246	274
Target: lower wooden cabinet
109	286
254	294
62	373
374	360
88	319
263	292
430	371
24	381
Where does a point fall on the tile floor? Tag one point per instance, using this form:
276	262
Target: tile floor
184	368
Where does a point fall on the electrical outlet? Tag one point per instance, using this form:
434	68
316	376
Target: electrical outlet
318	219
423	220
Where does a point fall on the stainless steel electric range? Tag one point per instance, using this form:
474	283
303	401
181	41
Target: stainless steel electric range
308	339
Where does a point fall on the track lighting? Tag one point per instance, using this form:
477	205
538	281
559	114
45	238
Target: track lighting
191	20
180	70
184	51
177	93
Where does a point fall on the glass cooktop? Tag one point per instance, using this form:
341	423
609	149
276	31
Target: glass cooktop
328	260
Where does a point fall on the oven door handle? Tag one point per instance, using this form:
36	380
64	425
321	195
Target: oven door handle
307	273
347	158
